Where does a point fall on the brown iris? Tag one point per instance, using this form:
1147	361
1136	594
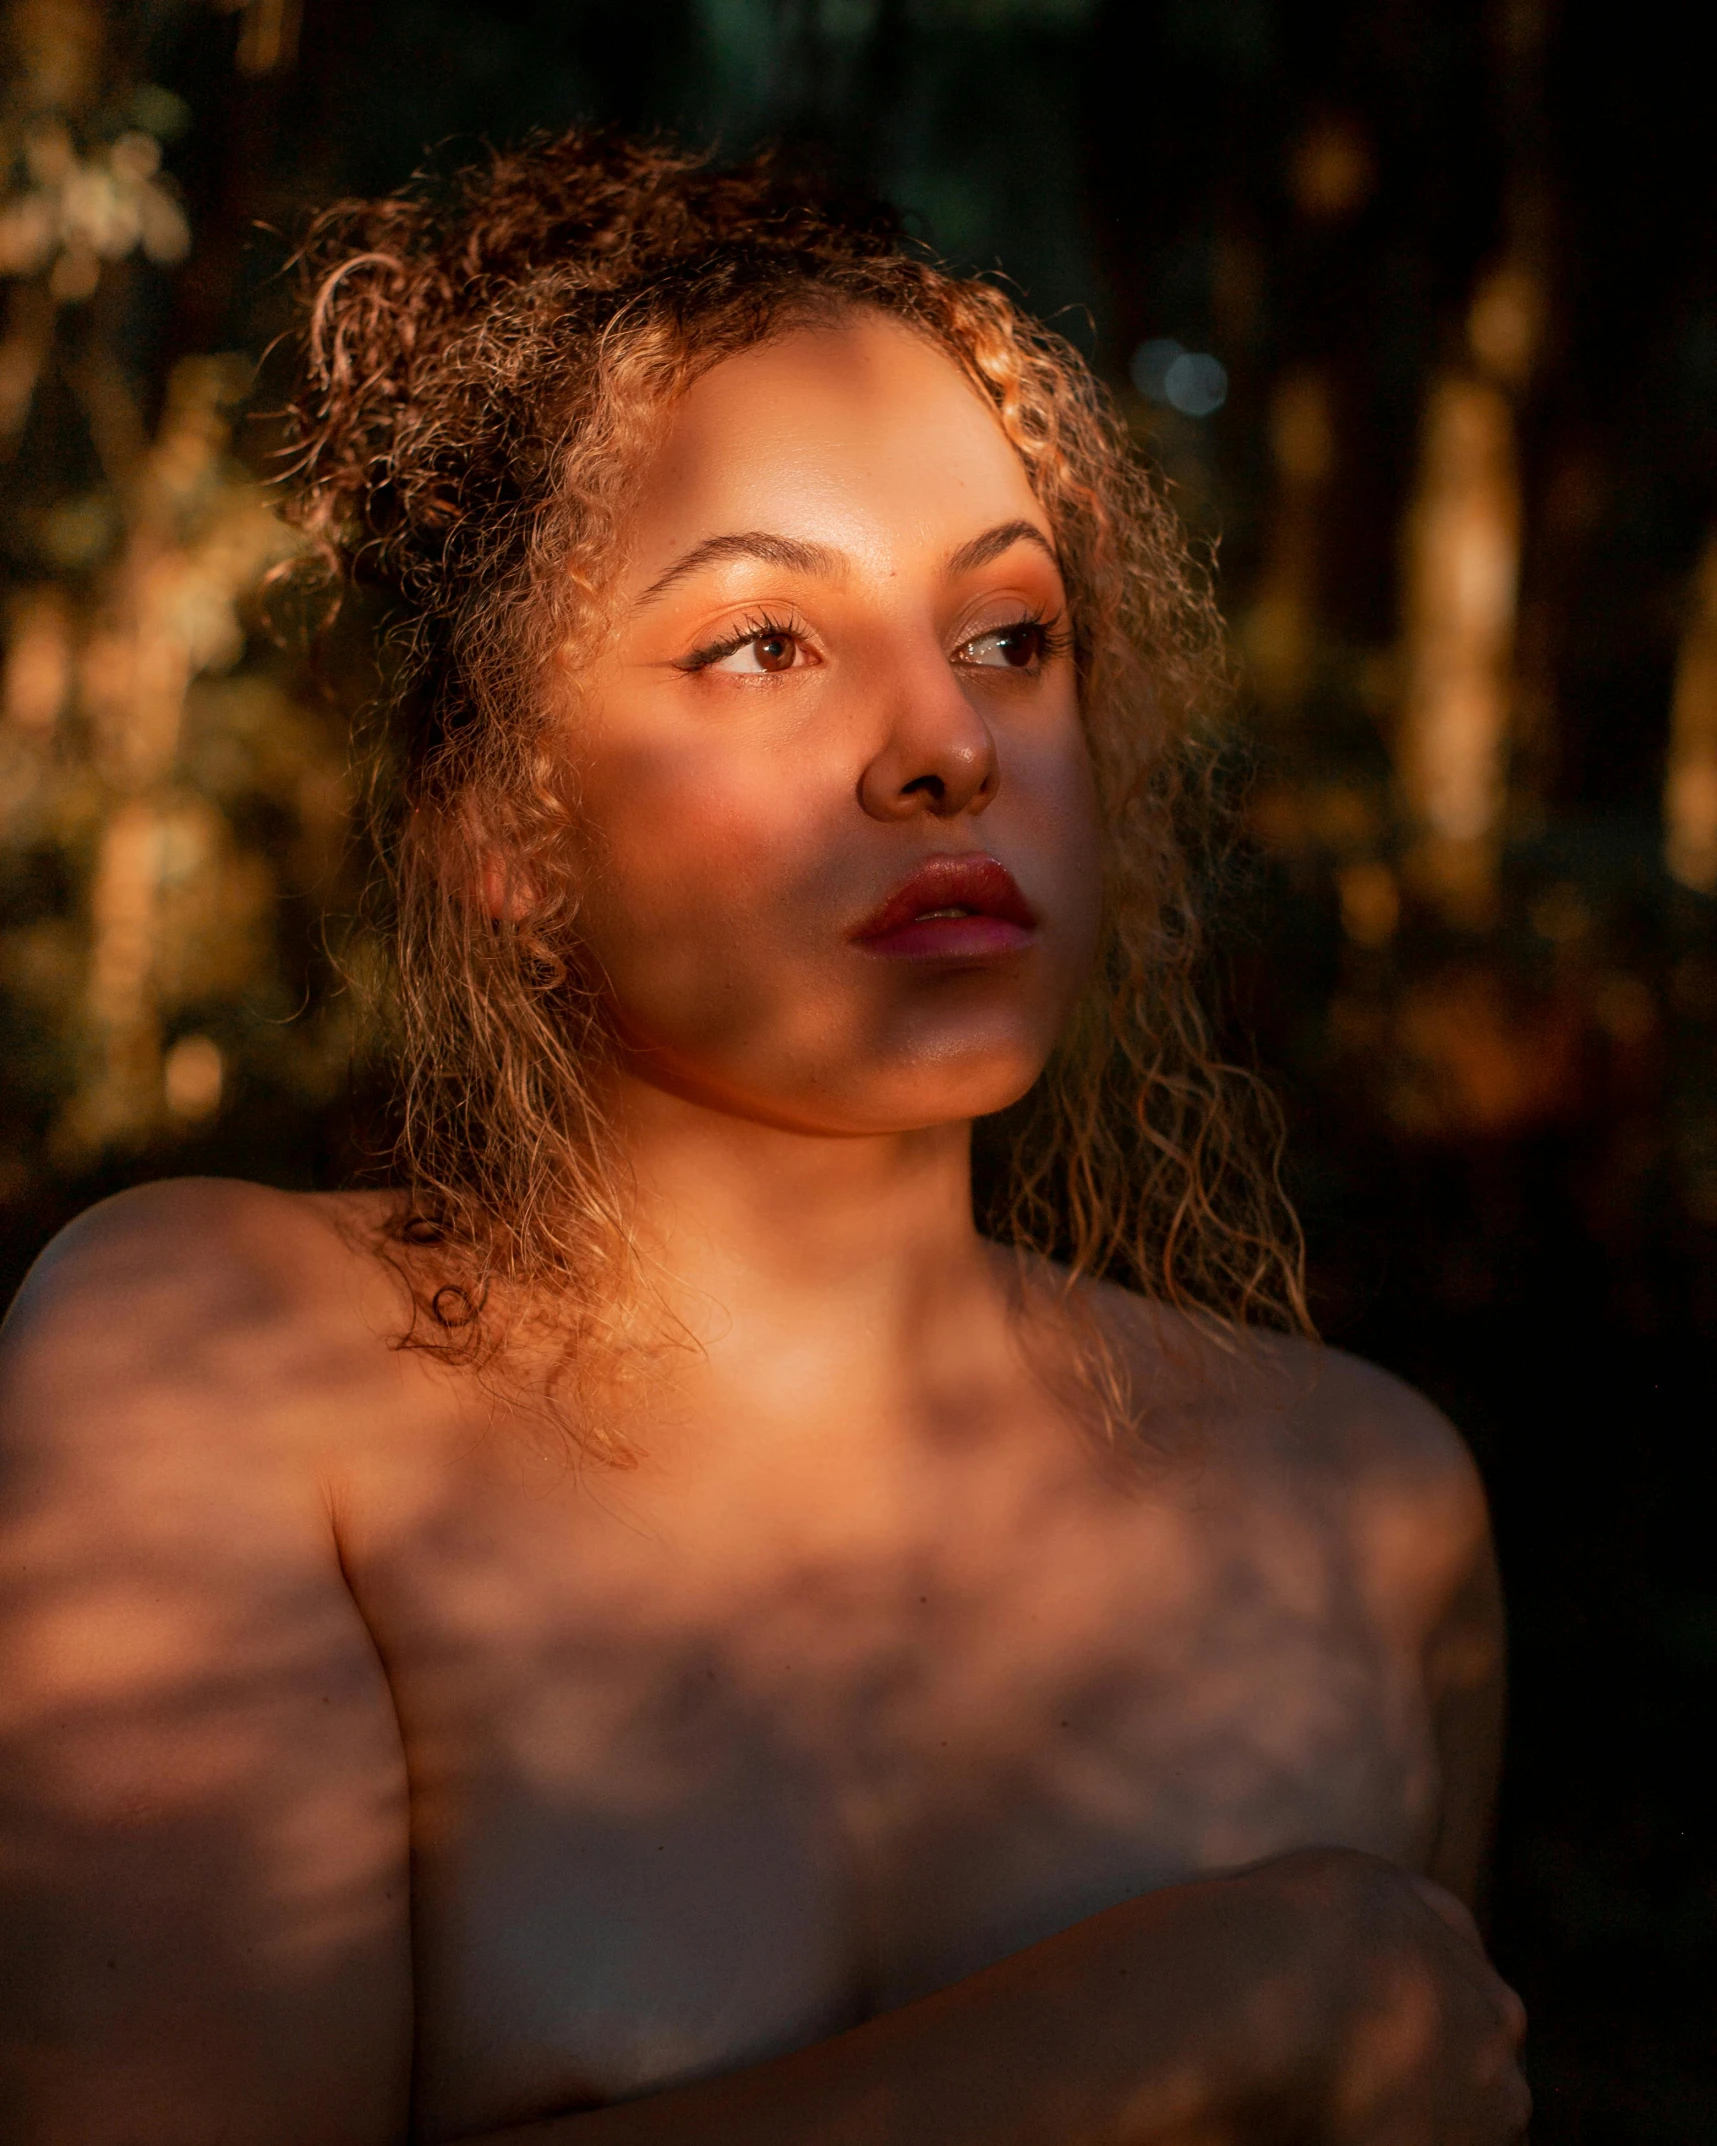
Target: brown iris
1021	645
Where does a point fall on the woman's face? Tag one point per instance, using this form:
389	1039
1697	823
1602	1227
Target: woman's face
840	812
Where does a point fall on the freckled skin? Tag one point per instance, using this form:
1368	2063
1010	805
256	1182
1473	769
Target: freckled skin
376	1768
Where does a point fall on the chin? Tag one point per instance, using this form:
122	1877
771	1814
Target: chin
941	1070
947	1089
894	1070
907	1094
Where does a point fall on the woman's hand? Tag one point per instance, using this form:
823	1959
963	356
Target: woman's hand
1412	2037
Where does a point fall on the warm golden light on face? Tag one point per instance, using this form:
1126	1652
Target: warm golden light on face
842	651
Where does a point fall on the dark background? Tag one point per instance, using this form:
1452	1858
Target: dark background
1503	1110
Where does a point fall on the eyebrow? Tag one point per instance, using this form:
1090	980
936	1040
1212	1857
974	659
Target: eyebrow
819	559
758	544
991	545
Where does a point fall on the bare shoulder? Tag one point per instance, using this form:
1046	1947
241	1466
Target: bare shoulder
1360	1421
1295	1420
230	1331
205	1334
1313	1451
220	1242
197	1281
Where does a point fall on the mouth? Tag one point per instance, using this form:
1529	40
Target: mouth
952	909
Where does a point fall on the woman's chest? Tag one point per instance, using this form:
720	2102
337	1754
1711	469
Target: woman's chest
676	1810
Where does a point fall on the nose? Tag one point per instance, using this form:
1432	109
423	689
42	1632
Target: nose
938	758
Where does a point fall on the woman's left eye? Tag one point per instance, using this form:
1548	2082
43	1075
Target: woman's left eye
1019	647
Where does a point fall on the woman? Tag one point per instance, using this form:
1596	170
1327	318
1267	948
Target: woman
654	1628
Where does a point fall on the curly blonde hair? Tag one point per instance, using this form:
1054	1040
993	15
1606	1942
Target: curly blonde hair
485	367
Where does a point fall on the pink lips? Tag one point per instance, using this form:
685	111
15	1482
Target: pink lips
951	909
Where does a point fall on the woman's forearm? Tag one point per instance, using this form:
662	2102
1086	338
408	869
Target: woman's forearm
1164	2022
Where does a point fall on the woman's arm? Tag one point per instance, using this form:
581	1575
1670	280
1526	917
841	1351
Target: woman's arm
1419	1525
1466	1671
1323	1997
204	1908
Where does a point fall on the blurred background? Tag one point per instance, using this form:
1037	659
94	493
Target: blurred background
1414	304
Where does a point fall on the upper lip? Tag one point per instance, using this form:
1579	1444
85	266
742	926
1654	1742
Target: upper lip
978	885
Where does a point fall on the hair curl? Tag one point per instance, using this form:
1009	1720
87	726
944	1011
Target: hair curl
485	365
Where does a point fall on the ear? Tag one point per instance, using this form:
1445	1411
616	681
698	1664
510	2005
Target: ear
507	894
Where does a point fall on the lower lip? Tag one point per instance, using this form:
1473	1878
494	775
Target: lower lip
950	939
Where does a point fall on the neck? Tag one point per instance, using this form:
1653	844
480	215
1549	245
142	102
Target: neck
859	1244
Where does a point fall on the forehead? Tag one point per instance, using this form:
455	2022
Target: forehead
860	434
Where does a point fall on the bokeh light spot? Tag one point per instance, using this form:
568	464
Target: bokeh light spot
1191	381
1196	384
194	1075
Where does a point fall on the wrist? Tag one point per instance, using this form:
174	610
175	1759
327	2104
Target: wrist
1214	2008
1315	1914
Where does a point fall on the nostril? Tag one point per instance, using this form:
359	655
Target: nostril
931	786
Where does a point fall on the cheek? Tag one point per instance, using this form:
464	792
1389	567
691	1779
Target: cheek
1048	809
703	864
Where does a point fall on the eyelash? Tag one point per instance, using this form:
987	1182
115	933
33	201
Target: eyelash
761	627
1056	639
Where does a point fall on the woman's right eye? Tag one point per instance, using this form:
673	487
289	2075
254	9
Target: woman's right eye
758	654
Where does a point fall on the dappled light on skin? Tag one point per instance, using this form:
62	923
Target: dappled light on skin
967	1695
167	1718
719	1755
